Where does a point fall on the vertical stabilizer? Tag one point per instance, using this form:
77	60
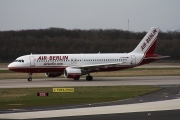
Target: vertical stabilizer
148	43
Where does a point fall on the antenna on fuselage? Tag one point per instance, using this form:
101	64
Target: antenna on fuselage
31	53
99	52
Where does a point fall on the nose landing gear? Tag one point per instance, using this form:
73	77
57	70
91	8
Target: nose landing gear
30	77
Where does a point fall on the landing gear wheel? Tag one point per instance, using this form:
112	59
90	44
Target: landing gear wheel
89	78
30	77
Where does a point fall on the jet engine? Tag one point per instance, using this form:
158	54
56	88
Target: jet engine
70	72
53	74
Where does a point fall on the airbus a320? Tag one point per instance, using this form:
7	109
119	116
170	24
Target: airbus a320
76	65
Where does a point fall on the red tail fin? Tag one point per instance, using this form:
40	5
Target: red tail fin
148	43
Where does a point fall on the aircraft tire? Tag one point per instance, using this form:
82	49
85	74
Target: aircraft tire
29	79
89	78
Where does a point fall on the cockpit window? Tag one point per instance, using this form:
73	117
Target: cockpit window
19	61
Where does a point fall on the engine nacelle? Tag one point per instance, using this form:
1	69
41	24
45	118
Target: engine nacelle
53	74
72	72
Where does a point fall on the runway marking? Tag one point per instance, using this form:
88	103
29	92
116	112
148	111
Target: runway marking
128	108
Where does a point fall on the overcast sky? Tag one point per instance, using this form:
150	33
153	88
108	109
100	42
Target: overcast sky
90	14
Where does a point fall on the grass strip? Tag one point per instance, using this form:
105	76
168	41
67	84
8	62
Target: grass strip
27	97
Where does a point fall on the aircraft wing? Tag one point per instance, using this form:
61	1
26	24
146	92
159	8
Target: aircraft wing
105	65
95	66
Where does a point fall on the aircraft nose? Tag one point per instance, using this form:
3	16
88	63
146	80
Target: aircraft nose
10	66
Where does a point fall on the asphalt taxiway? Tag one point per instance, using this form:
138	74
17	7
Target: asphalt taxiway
163	104
98	81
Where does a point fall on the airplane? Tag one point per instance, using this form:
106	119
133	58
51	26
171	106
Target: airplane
76	65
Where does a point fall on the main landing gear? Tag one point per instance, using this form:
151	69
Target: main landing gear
89	78
30	77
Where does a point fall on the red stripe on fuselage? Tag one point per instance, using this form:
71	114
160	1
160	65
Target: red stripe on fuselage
55	69
37	69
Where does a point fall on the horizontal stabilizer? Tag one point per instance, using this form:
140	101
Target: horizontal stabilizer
156	58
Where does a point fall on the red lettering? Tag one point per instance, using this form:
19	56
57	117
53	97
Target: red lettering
147	40
143	46
54	57
39	58
45	57
57	57
50	57
154	31
65	57
151	35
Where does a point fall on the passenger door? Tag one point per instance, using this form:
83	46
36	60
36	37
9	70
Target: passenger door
32	61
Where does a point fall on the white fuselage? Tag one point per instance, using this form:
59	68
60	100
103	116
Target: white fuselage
45	62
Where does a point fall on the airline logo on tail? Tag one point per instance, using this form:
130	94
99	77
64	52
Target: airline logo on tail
148	40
